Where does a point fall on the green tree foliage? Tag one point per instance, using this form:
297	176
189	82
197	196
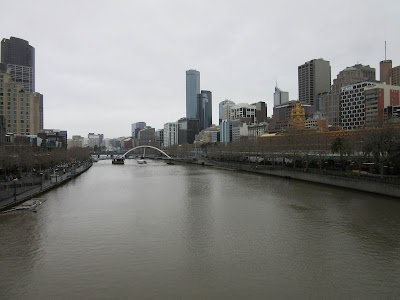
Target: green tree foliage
341	146
384	147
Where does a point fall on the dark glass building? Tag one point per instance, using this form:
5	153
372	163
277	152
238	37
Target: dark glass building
204	109
187	130
19	58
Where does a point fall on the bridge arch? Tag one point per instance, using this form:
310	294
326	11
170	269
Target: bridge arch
151	147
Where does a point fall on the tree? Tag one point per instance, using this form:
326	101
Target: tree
341	146
384	146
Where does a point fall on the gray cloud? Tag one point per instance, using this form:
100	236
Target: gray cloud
103	65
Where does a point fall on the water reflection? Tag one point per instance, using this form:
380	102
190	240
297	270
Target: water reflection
159	231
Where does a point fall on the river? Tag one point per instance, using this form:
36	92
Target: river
161	231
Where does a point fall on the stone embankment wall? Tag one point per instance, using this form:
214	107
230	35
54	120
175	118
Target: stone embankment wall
364	184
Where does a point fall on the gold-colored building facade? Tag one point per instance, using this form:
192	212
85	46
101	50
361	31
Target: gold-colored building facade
20	109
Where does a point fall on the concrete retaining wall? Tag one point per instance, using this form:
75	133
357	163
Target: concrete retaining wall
350	183
339	181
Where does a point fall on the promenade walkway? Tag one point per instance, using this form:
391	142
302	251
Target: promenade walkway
45	186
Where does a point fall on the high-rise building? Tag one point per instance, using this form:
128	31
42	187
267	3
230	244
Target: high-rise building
314	78
261	112
377	98
188	128
94	140
221	104
19	58
367	71
229	131
395	76
204	109
280	96
21	109
146	136
388	74
352	105
135	128
160	138
226	111
330	102
384	71
192	90
170	134
76	142
39	96
243	112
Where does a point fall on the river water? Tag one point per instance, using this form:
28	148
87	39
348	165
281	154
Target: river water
160	231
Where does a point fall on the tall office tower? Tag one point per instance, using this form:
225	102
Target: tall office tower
352	105
136	127
19	58
367	71
226	111
147	136
160	138
384	71
330	102
221	105
379	98
395	76
204	109
192	90
39	96
188	128
314	79
280	96
171	134
261	112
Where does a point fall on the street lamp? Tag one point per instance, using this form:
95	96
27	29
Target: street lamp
41	180
15	188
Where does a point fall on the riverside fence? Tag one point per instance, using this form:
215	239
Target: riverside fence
38	181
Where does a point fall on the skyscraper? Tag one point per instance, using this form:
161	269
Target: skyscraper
204	109
280	96
18	57
192	90
221	105
330	102
314	79
136	127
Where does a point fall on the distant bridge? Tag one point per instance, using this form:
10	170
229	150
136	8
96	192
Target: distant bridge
151	147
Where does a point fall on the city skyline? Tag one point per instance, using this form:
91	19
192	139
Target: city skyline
105	72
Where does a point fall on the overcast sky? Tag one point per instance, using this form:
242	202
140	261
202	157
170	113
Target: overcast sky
103	65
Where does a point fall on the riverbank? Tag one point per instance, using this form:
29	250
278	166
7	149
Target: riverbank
43	187
360	183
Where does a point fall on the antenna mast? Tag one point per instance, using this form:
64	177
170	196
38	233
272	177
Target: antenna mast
385	50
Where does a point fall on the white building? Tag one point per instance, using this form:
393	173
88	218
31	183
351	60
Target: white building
170	134
226	111
243	110
93	140
352	105
221	106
